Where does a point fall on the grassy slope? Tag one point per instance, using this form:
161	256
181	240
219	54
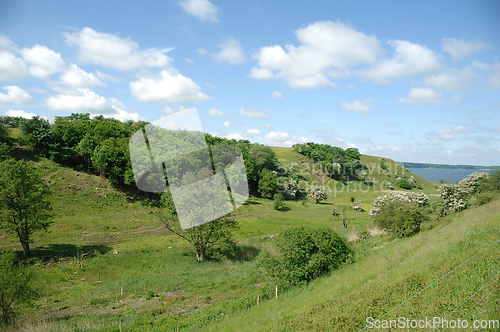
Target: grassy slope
93	217
388	273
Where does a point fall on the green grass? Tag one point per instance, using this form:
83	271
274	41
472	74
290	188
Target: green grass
164	286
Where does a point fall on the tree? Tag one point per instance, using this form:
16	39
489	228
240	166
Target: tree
15	286
268	183
205	238
23	205
402	218
317	193
304	253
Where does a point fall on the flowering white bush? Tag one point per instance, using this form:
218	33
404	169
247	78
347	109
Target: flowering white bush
357	206
412	181
420	199
317	193
454	195
290	188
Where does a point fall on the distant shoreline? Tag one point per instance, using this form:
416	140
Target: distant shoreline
445	166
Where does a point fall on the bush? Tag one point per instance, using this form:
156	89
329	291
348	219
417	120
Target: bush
317	193
357	206
15	287
405	184
278	202
303	254
402	218
363	235
420	199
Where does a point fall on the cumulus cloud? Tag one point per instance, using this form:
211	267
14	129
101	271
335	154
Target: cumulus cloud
277	95
87	101
277	136
419	95
327	50
231	52
12	68
20	113
167	87
75	77
227	124
303	139
15	95
171	110
42	61
234	136
252	113
361	106
267	126
112	51
215	112
409	59
453	79
458	48
204	10
252	132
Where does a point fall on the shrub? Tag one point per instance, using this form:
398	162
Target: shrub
420	199
317	193
15	287
303	254
405	184
402	218
357	206
363	235
278	202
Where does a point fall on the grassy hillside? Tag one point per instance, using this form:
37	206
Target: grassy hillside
138	277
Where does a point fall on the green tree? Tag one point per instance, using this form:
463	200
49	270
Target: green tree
402	218
207	239
86	147
304	253
15	286
268	183
23	205
263	155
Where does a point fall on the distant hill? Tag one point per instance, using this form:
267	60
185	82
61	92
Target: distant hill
425	165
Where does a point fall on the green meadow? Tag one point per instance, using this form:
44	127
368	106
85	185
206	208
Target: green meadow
136	276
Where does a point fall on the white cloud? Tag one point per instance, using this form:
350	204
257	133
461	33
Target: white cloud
75	77
15	95
251	132
495	78
277	94
277	136
201	51
418	95
327	50
234	136
19	113
85	101
447	134
481	65
112	51
361	106
409	59
267	126
188	60
171	110
12	68
252	113
107	77
458	48
227	124
303	139
204	10
7	44
231	52
215	112
167	87
43	61
452	79
389	122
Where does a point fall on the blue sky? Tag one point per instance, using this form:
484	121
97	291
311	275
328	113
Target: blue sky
413	81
